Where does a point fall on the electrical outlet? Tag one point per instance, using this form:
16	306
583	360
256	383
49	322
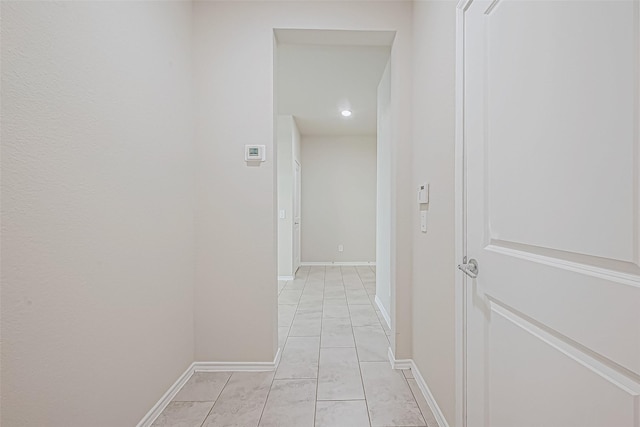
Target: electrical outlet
340	248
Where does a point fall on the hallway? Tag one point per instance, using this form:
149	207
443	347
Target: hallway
334	369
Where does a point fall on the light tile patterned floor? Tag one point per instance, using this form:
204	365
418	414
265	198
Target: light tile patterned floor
334	369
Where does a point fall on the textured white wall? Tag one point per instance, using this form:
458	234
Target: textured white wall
383	191
338	198
98	201
97	209
233	50
434	263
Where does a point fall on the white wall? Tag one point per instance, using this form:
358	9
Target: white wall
338	198
288	151
434	263
383	190
235	106
97	209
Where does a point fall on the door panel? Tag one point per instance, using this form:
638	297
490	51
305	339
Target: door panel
547	108
570	300
584	397
551	119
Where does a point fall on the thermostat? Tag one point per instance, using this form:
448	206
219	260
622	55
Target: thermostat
254	153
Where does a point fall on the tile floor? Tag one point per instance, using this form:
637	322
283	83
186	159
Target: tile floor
334	370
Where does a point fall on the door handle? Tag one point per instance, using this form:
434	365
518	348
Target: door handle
470	268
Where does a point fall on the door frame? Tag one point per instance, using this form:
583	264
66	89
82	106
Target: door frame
297	196
384	37
460	224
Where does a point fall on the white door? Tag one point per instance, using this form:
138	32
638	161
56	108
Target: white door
551	122
296	217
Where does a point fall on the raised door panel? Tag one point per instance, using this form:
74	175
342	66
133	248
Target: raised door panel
561	126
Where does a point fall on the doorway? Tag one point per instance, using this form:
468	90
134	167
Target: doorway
333	154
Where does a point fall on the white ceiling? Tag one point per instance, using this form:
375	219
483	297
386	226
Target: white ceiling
316	81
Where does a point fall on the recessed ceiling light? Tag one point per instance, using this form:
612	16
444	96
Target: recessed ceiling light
346	113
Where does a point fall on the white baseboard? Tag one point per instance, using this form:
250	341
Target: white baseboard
157	409
383	310
285	278
398	363
338	263
424	388
237	366
431	401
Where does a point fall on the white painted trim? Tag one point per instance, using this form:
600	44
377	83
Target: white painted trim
383	310
424	388
276	360
576	267
428	396
285	278
338	263
237	366
398	363
157	409
460	304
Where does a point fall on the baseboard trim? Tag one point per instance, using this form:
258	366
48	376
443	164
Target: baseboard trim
426	392
398	363
338	263
383	310
237	366
285	278
157	409
422	385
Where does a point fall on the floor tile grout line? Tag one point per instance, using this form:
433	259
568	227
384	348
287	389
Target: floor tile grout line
354	275
267	398
378	317
286	284
416	400
295	314
322	318
217	397
364	391
276	368
349	317
365	289
361	281
264	405
306	279
315	404
389	343
341	400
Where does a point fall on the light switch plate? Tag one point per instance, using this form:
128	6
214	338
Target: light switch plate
423	221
